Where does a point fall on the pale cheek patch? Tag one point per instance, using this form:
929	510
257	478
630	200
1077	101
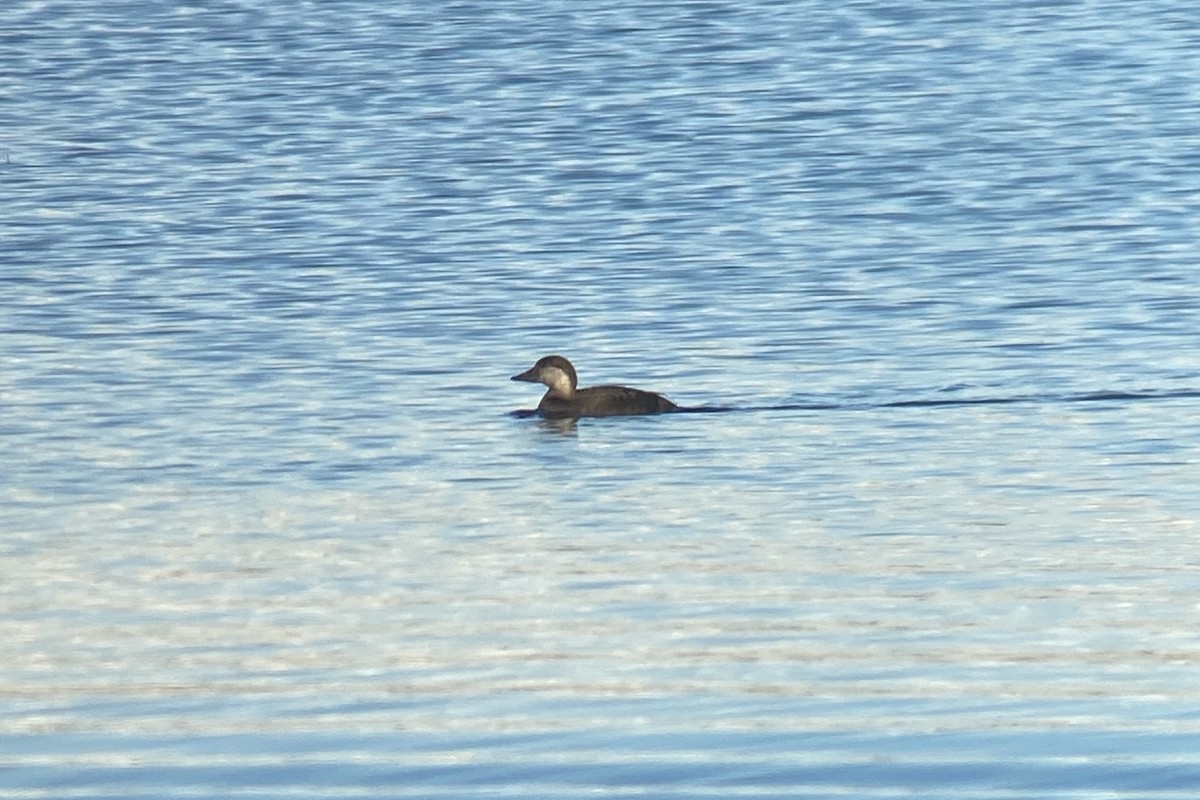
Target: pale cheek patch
558	381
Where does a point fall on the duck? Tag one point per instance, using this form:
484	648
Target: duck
565	400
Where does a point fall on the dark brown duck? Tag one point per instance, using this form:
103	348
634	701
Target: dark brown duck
565	400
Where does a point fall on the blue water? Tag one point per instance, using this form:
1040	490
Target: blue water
267	528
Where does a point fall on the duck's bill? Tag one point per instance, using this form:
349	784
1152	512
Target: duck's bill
529	376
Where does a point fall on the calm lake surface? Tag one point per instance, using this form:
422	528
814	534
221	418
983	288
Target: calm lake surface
268	530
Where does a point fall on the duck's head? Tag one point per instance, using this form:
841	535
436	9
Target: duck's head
553	371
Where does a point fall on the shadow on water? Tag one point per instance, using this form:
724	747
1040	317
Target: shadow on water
1084	397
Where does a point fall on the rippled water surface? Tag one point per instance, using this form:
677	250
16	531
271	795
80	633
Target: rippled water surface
268	530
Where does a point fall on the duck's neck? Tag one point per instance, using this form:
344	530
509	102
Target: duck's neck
559	383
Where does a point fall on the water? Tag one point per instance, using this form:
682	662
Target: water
269	531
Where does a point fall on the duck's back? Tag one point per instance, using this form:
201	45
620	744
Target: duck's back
606	401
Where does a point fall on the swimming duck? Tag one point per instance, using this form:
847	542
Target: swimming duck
564	400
